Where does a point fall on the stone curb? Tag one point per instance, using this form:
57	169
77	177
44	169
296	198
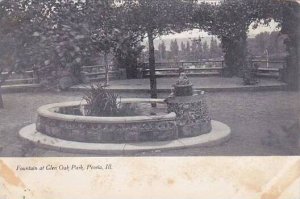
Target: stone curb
46	112
220	133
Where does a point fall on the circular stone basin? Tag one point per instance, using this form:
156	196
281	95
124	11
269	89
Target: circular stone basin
92	129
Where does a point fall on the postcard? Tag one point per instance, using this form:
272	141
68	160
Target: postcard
149	99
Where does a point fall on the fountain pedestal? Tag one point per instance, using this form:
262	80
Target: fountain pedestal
192	115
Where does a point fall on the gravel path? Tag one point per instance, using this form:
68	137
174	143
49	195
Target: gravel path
252	116
203	82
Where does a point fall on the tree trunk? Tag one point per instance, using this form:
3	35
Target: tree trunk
2	80
1	99
106	69
235	55
131	65
291	27
131	72
153	86
228	48
242	56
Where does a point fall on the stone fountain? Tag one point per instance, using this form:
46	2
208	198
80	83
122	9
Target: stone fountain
192	115
186	122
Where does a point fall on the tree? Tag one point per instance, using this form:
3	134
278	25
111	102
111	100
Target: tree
158	17
52	37
61	43
276	45
286	13
174	48
262	42
103	28
182	50
127	51
188	50
182	46
231	25
291	27
230	21
194	50
205	50
162	50
188	47
200	51
214	48
18	22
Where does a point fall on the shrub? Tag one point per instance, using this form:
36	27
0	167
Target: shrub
101	102
249	73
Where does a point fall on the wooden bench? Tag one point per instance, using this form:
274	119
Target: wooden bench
96	73
20	81
26	77
211	71
170	72
269	72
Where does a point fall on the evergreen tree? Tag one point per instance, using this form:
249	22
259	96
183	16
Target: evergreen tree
188	47
261	41
214	48
205	50
174	48
182	51
194	50
182	46
162	50
199	49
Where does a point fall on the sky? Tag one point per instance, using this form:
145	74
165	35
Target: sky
196	33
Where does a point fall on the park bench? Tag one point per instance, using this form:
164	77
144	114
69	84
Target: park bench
20	81
212	68
26	77
96	73
268	72
170	72
270	69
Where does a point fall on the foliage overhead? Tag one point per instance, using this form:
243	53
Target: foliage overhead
61	34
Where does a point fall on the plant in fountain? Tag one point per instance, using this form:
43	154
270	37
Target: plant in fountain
101	102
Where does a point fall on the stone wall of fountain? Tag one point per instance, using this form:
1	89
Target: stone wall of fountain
105	129
192	115
185	123
187	116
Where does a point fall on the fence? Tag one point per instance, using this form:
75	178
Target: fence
265	68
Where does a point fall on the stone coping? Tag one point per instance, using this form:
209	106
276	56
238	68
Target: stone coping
47	111
220	133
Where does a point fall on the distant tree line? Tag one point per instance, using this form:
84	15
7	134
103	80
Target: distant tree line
267	44
193	50
263	45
